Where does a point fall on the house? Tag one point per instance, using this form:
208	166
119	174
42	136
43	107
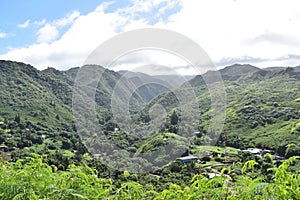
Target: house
278	158
216	174
97	156
4	155
227	151
258	151
252	150
265	151
3	147
187	159
154	176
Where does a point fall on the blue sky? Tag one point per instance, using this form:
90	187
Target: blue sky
19	19
17	12
62	33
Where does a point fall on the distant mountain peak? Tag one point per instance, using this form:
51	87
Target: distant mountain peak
238	69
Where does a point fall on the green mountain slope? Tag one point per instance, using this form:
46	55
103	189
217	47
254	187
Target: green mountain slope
33	95
35	115
262	108
36	108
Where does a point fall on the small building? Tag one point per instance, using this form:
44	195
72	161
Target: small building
253	150
187	159
258	151
5	156
265	151
216	174
97	156
227	151
3	147
278	158
154	176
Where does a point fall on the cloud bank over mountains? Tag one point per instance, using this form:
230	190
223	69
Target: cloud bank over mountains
263	33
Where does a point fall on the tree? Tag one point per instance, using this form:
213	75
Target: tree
17	118
292	150
174	118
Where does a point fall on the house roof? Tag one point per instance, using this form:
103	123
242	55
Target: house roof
188	158
252	150
3	145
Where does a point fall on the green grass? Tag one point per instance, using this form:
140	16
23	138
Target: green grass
199	150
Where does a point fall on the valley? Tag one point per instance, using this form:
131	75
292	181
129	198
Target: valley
257	151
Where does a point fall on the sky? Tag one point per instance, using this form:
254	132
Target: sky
62	33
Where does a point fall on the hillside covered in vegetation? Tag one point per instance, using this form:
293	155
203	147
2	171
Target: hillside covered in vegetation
43	156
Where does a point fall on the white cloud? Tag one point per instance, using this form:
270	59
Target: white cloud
259	32
225	28
69	19
2	35
47	34
50	31
40	23
72	48
25	24
154	62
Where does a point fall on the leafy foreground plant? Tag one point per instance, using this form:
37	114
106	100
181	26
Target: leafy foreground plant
34	179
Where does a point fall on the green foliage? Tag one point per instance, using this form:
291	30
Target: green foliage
31	178
174	118
292	150
249	165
